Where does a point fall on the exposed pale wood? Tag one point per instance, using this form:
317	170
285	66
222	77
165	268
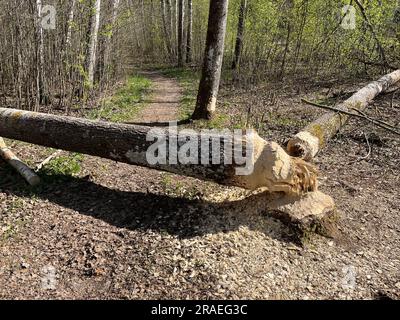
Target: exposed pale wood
48	159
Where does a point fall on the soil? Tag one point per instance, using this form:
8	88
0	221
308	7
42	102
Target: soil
163	102
124	232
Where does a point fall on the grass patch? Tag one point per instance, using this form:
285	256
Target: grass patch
125	103
64	166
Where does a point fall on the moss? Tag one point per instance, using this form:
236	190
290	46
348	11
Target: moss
317	130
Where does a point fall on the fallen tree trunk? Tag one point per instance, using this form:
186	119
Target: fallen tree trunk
307	143
17	164
271	167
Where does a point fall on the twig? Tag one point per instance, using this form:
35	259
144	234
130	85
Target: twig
373	119
47	160
378	123
368	154
393	95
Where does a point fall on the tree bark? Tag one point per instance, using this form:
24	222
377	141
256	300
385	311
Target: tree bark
272	167
93	42
307	143
43	98
181	21
109	42
212	66
69	24
240	34
189	32
18	165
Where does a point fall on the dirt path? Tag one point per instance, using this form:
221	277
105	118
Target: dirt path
163	101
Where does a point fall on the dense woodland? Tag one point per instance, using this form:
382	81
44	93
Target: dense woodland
93	43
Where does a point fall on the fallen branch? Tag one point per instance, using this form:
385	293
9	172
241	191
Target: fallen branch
47	160
359	114
17	164
307	143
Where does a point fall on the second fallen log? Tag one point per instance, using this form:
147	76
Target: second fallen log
307	143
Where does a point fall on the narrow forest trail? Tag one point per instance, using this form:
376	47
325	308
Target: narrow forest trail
162	103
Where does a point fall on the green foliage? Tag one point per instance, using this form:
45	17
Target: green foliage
64	166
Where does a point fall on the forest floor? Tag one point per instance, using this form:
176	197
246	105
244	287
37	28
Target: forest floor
98	229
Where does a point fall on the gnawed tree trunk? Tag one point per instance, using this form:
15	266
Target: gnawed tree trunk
17	164
240	33
307	143
92	53
291	183
212	66
268	165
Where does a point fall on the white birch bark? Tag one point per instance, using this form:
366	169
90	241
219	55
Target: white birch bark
93	41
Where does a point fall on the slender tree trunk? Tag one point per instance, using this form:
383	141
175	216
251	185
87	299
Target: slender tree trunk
7	155
189	32
166	29
93	41
285	52
240	34
181	21
40	53
108	45
381	51
212	66
170	17
70	21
